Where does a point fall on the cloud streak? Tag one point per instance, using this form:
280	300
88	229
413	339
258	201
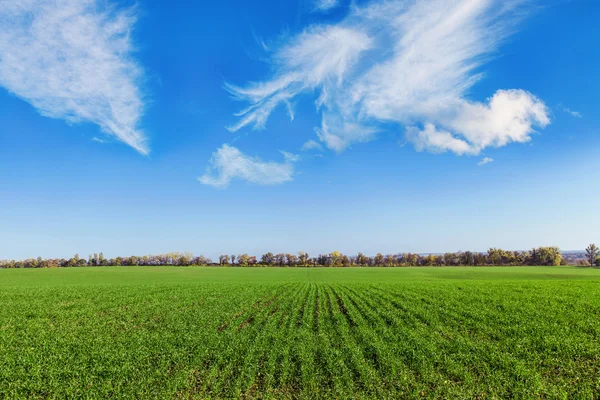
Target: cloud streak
409	64
485	160
311	145
572	113
326	5
229	163
72	60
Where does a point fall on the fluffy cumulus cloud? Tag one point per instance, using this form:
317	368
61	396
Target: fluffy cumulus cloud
408	64
229	163
72	59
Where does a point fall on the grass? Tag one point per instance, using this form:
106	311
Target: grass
126	332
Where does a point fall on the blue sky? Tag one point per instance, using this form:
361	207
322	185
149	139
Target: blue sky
228	127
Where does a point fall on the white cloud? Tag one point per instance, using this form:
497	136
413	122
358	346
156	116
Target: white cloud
406	63
311	145
509	116
338	133
486	160
72	60
572	113
435	141
228	163
325	5
320	56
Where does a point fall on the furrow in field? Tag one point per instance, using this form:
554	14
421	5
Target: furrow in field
346	328
245	316
316	311
279	331
256	376
374	338
435	313
379	336
288	375
476	341
445	353
330	351
322	351
236	342
305	348
408	312
410	352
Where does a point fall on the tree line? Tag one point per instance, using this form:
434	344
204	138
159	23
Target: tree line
538	256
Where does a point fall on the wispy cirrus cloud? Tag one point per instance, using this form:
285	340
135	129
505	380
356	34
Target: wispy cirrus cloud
406	63
567	110
229	163
326	5
72	60
316	56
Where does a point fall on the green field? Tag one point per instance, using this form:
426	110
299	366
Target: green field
197	332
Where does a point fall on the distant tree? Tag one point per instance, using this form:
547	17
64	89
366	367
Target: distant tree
479	258
243	259
389	260
292	259
361	259
495	256
303	258
233	259
73	261
201	260
182	259
548	256
280	259
592	254
519	257
267	259
410	259
430	260
467	258
345	261
322	259
335	258
379	259
224	259
449	259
